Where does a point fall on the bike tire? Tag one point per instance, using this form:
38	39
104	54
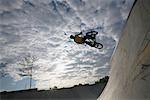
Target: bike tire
98	45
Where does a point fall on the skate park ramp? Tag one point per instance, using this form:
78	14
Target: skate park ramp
130	63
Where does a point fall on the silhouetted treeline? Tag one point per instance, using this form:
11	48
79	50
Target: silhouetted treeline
78	92
103	80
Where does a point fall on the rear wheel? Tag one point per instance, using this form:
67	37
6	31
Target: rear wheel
98	45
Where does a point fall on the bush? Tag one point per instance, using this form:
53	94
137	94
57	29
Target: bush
103	80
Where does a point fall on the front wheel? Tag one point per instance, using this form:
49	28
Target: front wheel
98	45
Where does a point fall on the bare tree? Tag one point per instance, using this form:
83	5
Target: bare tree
3	72
28	63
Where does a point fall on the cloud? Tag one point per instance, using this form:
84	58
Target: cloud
7	5
2	65
42	28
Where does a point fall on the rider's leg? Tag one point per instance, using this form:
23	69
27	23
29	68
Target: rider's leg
90	43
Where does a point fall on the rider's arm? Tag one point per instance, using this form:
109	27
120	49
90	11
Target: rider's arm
80	33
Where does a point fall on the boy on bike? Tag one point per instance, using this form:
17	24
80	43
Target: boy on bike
89	38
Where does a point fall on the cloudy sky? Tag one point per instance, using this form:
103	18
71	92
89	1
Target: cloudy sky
39	30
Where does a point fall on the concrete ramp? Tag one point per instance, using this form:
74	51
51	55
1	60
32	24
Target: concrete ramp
130	64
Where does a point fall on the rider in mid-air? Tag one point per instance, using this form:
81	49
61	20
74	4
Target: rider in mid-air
89	38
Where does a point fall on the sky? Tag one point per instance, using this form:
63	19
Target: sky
37	32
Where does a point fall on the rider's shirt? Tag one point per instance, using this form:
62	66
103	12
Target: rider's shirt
78	39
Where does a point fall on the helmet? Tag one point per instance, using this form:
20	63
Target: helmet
71	36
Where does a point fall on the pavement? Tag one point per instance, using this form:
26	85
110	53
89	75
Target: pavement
130	63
